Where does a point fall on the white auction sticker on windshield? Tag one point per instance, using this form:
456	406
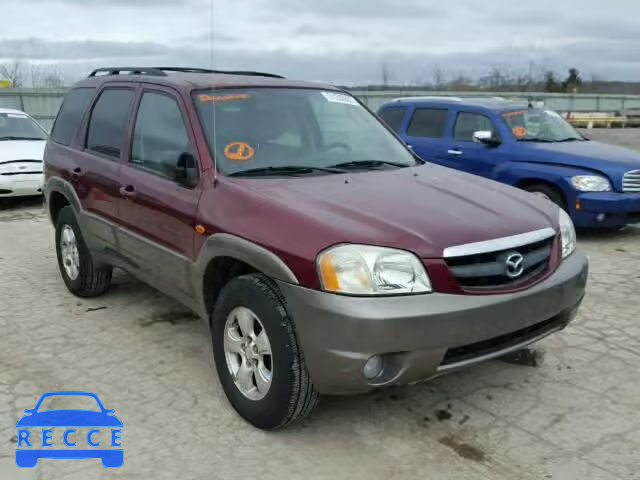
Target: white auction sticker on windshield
336	97
16	115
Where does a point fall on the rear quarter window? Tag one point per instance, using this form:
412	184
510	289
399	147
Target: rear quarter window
428	122
393	116
70	115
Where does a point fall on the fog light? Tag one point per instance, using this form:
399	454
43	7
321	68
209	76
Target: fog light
373	367
601	217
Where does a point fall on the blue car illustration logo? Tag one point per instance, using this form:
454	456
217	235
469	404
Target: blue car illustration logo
69	418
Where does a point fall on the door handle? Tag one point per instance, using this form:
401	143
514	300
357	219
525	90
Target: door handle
127	191
454	152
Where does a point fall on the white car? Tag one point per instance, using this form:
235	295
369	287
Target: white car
22	142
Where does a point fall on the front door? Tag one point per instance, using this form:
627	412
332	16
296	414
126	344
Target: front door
477	158
160	193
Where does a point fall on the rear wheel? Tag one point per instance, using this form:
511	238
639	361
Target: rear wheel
548	192
258	358
79	272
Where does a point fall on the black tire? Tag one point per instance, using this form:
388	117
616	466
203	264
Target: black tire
291	396
548	191
92	280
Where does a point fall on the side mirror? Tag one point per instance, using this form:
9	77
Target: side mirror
487	137
186	164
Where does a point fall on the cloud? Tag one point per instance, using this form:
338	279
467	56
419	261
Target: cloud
361	9
334	40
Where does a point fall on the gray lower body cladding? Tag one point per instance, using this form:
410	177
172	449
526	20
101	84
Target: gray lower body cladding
423	336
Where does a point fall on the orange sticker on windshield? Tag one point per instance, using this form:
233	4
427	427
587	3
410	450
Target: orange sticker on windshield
239	151
223	98
519	132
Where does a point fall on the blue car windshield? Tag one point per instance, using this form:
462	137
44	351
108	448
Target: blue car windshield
537	125
69	402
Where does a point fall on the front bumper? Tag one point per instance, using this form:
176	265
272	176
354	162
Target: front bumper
425	335
607	209
21	185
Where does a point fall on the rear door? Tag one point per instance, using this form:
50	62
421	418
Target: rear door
159	187
477	158
425	133
394	116
96	168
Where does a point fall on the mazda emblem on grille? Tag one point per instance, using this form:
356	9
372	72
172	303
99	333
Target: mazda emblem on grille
514	265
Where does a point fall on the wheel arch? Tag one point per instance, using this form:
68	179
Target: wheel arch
58	194
225	256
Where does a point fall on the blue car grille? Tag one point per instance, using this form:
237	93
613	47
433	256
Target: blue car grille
631	182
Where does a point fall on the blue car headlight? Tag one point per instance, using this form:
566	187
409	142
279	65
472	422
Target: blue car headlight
591	183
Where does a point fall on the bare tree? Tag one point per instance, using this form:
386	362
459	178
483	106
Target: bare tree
14	72
45	77
385	75
438	77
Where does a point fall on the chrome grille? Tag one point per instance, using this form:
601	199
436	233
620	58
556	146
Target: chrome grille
631	182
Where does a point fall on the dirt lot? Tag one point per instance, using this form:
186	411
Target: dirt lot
568	410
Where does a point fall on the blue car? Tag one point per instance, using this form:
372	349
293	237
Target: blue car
69	418
530	148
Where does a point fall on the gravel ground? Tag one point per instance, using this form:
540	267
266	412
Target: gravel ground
566	410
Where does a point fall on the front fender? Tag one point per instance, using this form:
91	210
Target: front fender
227	245
516	173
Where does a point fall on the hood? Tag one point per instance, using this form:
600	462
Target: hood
69	418
21	150
423	209
602	157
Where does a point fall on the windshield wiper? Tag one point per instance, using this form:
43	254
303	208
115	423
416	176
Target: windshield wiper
13	137
283	170
368	163
570	139
541	140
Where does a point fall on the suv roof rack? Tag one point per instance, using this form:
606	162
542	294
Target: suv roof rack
429	97
162	71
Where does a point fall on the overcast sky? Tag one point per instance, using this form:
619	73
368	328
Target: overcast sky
331	40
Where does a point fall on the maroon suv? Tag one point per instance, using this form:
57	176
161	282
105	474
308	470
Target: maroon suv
324	256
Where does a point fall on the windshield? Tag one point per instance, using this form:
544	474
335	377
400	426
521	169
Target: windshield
19	126
308	131
69	402
540	125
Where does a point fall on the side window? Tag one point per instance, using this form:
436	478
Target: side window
160	140
109	120
393	116
469	123
428	122
70	115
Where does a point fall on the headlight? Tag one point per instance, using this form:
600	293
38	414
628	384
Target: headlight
567	234
368	270
591	183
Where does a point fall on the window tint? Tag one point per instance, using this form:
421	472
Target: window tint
109	120
160	138
393	116
469	123
70	115
428	122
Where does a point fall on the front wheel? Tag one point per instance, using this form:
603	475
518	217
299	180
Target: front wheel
549	193
79	272
258	358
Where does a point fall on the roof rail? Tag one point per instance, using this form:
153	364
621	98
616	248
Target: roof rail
429	97
162	71
222	72
128	70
